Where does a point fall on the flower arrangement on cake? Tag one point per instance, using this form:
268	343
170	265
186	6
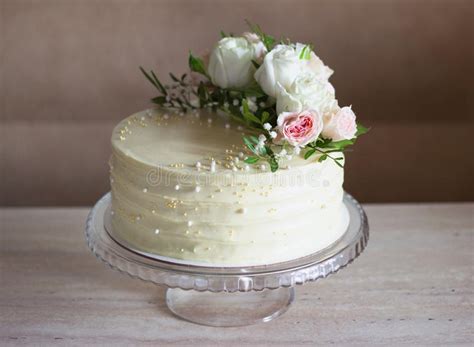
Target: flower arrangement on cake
278	89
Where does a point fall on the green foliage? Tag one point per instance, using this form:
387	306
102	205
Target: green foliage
197	65
251	160
305	53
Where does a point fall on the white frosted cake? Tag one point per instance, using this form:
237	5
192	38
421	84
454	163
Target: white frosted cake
240	164
181	190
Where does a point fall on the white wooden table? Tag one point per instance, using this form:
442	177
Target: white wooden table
412	285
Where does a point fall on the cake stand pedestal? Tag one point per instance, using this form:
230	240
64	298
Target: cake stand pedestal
228	296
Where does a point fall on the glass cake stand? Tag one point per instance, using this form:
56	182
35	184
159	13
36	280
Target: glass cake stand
228	296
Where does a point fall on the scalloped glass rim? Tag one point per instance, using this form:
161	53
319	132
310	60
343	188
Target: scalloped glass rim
229	279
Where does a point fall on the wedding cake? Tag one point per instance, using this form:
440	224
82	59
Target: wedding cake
242	166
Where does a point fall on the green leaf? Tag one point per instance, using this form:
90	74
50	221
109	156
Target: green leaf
305	53
197	65
265	116
154	80
158	83
250	145
322	158
309	153
148	77
253	90
273	164
249	116
268	41
174	78
254	139
361	130
251	160
265	150
160	100
223	34
341	144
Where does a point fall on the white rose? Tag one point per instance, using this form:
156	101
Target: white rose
341	125
281	65
307	92
230	63
314	64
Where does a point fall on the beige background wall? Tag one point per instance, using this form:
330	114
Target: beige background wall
69	72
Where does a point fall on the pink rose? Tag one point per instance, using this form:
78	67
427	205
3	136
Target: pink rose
301	128
340	126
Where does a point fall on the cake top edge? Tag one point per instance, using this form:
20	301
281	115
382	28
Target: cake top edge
195	143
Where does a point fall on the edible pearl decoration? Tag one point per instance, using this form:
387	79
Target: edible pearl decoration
157	231
177	187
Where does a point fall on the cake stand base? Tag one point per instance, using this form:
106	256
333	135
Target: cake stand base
228	296
225	309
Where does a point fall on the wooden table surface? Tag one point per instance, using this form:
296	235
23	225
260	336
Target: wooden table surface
412	285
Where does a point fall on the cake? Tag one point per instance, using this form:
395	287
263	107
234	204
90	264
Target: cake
241	166
235	214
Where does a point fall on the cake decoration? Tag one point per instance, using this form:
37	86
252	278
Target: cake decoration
231	169
279	91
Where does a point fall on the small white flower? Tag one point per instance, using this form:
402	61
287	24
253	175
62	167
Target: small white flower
273	134
262	104
267	126
235	102
262	138
296	150
241	155
227	126
282	153
226	104
252	105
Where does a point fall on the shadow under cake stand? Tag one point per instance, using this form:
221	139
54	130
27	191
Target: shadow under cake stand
227	296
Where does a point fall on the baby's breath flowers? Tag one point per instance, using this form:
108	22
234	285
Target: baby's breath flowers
278	89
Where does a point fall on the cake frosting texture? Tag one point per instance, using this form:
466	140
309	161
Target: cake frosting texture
181	190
